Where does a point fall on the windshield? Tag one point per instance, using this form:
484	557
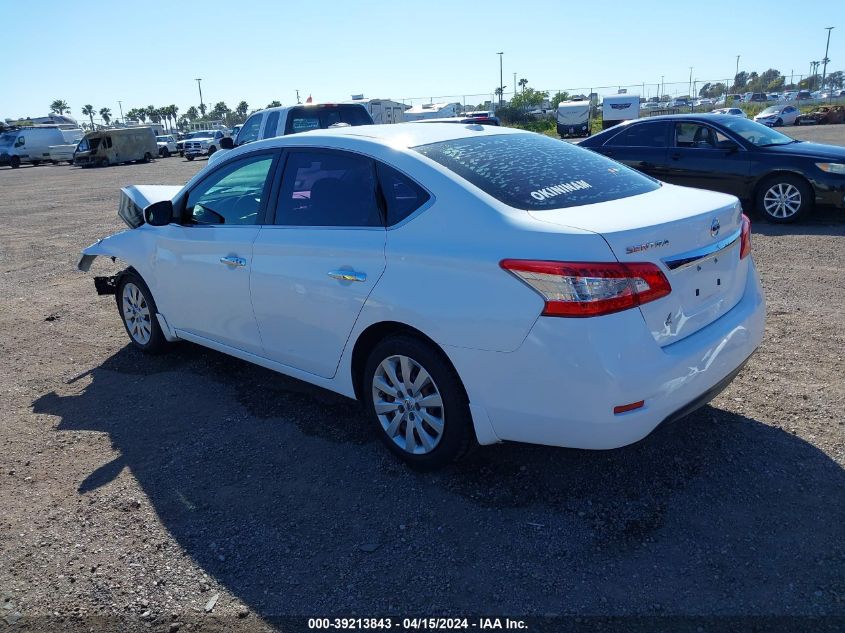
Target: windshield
535	172
202	134
771	110
757	133
164	139
8	139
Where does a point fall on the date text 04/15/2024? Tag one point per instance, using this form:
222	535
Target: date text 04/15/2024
416	624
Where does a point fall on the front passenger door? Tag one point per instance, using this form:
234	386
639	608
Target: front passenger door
705	157
203	263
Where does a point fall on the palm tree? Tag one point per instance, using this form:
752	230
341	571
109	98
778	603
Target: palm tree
192	113
274	104
106	114
59	106
141	114
172	111
88	110
202	109
522	83
241	110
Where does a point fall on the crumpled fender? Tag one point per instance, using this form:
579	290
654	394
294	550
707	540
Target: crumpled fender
128	246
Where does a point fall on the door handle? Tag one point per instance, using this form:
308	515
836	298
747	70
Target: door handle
348	275
234	262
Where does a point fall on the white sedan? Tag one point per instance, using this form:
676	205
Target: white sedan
467	283
776	116
732	111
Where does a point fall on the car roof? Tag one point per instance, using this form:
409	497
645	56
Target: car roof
403	135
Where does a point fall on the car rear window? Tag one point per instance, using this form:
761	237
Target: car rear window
535	172
315	117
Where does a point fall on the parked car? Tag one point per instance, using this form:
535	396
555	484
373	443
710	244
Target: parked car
204	143
610	302
63	152
783	178
776	116
183	138
731	111
166	145
754	97
822	116
803	95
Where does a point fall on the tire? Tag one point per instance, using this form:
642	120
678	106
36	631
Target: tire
36	163
103	162
15	162
797	123
181	154
211	150
137	310
426	447
165	152
189	157
55	162
784	198
779	123
147	157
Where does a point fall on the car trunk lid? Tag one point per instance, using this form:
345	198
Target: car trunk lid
693	236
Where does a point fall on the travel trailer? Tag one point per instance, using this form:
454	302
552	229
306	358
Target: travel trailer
618	108
573	118
119	145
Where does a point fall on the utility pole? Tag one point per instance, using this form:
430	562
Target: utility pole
690	83
737	68
501	79
514	85
662	87
120	105
825	60
199	85
297	98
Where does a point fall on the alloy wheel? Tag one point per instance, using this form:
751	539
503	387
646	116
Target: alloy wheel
136	313
408	404
782	200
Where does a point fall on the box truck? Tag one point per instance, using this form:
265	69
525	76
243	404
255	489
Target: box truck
119	145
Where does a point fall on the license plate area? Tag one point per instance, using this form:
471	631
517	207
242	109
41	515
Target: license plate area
706	278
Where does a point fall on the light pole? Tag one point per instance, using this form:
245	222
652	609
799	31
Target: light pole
501	79
662	87
690	83
199	85
825	60
120	105
737	69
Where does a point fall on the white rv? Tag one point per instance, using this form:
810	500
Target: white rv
382	110
432	111
32	144
618	108
573	118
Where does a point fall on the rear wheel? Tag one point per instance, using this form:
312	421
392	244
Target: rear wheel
189	157
138	312
147	157
417	402
784	198
103	162
15	162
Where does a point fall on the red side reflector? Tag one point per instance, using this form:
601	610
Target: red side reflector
622	408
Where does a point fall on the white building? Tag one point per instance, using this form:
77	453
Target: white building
432	111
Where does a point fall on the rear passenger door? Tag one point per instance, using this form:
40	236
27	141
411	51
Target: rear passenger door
705	157
641	145
314	268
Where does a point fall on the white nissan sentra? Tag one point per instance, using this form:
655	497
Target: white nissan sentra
464	282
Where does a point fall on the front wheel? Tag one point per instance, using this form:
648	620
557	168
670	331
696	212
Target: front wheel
15	162
779	123
189	157
211	150
138	312
784	198
417	402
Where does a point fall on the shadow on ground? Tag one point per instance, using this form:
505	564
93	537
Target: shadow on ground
282	493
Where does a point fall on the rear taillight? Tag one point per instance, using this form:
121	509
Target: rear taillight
585	289
745	237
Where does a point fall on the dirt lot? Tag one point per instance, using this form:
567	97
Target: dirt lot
193	491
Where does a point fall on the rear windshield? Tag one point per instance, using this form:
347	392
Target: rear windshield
532	171
316	117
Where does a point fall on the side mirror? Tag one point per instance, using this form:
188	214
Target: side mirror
226	142
729	146
159	213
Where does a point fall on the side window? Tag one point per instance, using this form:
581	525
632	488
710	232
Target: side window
249	132
108	141
641	135
355	115
401	194
697	136
231	195
271	125
327	188
20	142
301	120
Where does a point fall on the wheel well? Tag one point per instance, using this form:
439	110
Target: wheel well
768	177
377	332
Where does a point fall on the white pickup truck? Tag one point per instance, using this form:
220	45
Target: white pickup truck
203	143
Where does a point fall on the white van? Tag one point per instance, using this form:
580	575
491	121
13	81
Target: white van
32	144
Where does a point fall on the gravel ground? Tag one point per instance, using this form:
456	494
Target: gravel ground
196	492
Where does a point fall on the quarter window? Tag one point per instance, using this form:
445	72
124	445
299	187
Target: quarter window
642	135
401	194
232	195
325	188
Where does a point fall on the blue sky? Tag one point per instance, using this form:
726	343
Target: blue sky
150	52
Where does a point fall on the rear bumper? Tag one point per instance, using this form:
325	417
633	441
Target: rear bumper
560	387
